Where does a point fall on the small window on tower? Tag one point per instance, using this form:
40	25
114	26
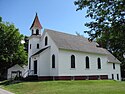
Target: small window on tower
37	46
37	31
30	46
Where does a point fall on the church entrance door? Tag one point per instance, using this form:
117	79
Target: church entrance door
35	67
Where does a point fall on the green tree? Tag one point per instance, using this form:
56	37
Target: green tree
107	25
11	50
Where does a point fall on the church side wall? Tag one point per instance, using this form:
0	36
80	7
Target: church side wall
44	65
80	67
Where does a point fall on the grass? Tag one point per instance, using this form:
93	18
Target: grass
67	87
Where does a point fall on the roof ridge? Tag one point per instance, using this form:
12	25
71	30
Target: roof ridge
41	50
64	33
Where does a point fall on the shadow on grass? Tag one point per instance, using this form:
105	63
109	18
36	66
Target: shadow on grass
9	82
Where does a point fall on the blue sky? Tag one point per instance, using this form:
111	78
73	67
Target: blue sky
60	15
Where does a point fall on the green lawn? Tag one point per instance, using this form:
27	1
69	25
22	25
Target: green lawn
68	87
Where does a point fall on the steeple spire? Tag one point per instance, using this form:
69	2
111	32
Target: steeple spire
36	23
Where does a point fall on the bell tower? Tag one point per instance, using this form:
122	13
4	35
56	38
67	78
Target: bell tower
34	40
36	26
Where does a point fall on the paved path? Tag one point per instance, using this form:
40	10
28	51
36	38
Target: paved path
2	91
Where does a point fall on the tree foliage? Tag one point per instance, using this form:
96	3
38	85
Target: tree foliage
11	50
108	24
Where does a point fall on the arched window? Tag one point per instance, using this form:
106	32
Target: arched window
30	46
37	31
53	61
87	62
46	40
72	61
37	46
113	65
99	63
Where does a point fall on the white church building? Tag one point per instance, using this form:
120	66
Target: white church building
54	55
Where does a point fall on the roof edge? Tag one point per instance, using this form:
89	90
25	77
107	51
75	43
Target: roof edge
82	51
41	50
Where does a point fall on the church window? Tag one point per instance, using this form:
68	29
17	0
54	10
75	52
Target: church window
87	62
99	63
30	46
46	40
113	65
72	61
37	31
37	46
53	61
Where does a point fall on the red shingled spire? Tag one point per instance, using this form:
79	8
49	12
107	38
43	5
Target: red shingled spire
36	23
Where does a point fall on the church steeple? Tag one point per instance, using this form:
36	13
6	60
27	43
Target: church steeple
36	26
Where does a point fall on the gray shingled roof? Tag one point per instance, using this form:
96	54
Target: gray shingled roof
73	42
78	43
112	59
